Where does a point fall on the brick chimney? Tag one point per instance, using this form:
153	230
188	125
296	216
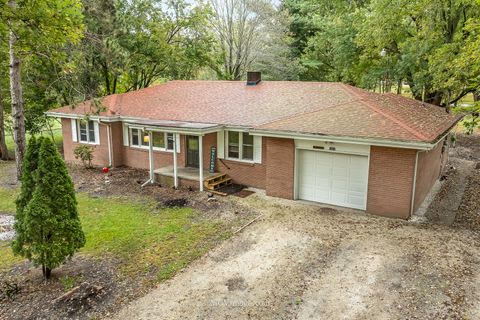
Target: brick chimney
253	78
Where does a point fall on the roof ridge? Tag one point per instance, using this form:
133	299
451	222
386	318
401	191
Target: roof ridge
391	117
386	114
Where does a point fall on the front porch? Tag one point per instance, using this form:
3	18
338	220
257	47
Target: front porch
188	176
189	171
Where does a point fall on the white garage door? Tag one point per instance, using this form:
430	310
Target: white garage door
338	179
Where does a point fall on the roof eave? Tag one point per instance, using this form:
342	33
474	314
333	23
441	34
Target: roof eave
417	145
131	122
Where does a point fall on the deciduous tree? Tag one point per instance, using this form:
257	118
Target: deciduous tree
34	26
251	34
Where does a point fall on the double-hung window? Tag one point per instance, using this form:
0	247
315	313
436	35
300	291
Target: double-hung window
139	138
86	130
240	145
170	141
160	140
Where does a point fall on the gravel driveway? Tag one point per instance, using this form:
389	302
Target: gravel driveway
307	262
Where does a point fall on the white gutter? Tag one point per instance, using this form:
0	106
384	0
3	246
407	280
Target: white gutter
362	141
131	121
185	131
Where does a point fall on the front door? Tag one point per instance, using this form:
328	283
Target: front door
192	151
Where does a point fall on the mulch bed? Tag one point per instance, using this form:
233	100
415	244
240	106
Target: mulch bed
244	193
125	181
231	188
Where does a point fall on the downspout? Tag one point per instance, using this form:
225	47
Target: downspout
151	178
175	173
200	161
412	205
109	140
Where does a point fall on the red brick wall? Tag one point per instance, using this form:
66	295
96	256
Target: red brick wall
209	140
280	157
100	152
249	174
122	155
428	170
390	181
117	143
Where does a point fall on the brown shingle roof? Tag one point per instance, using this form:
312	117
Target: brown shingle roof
303	107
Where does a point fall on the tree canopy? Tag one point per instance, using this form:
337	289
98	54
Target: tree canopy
380	44
73	50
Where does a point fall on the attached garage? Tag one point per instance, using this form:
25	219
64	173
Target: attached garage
327	173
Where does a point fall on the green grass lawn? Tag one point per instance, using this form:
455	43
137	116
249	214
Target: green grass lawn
7	198
143	238
57	136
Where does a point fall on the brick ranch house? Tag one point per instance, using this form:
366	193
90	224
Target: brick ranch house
324	142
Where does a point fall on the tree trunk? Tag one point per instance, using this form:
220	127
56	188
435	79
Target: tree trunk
399	86
17	102
3	146
46	272
434	98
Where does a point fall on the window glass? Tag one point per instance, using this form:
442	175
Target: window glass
169	141
158	139
135	138
91	131
247	146
83	131
233	144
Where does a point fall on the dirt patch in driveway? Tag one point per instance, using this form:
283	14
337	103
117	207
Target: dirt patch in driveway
303	261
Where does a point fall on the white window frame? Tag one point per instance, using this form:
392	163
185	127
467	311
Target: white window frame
240	147
141	146
95	131
140	138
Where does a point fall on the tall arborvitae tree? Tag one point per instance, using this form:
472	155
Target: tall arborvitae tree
30	163
48	227
26	191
